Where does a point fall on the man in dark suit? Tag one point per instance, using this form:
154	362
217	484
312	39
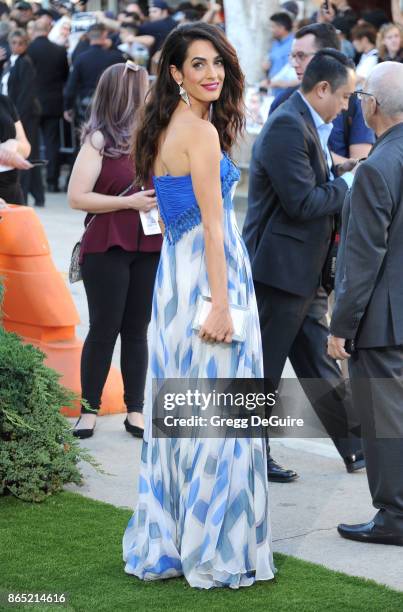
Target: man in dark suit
369	304
86	70
52	69
350	137
293	197
19	77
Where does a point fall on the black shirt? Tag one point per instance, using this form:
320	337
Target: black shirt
52	70
87	69
8	119
159	30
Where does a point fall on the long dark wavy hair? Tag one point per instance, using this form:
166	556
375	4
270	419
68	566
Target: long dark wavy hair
163	98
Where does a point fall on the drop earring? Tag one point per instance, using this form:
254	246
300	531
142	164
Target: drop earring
210	113
184	94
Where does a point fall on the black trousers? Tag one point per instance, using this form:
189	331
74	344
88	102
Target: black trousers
119	286
377	385
31	180
295	327
51	137
12	193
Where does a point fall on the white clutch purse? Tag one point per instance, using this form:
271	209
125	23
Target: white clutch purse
239	316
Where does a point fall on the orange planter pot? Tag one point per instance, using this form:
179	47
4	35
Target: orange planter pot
38	306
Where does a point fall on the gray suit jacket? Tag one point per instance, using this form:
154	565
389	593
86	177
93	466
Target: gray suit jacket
369	280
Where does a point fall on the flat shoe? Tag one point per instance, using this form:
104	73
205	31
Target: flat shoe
137	432
82	433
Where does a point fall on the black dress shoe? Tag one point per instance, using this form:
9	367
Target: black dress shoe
370	532
137	432
276	473
82	433
355	462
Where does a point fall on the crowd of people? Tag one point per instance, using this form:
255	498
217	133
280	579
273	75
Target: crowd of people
324	216
367	37
51	61
51	103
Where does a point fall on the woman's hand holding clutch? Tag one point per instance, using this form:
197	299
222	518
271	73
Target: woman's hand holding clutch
218	326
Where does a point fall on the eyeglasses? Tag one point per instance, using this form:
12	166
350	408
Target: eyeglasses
300	56
361	95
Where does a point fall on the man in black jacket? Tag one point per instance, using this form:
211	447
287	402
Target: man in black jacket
293	197
350	137
86	70
19	83
52	69
369	304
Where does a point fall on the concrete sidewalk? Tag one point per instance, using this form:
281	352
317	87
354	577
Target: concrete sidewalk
305	513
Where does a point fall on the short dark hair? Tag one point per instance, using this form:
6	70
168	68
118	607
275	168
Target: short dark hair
375	18
129	25
96	31
18	33
282	19
344	24
327	65
364	30
325	34
4	9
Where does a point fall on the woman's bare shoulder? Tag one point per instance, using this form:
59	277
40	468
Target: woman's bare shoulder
188	136
96	140
200	134
200	126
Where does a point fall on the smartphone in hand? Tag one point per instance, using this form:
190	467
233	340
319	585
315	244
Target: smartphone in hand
38	162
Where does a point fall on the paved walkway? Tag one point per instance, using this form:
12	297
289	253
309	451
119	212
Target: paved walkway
304	513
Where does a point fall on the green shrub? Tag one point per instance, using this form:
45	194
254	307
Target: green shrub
38	453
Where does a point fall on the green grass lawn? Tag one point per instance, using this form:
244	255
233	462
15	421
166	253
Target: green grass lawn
72	544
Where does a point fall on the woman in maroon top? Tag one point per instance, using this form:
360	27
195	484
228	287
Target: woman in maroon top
118	261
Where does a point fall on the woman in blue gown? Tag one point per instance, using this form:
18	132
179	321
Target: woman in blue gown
203	509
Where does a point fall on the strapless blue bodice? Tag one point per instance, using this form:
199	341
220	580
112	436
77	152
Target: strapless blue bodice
177	202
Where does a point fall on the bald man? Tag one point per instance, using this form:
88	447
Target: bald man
369	304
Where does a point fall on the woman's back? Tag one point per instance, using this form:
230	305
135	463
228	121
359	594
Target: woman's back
203	501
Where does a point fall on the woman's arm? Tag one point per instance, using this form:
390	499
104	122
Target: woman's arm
397	13
211	12
86	170
14	151
205	155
